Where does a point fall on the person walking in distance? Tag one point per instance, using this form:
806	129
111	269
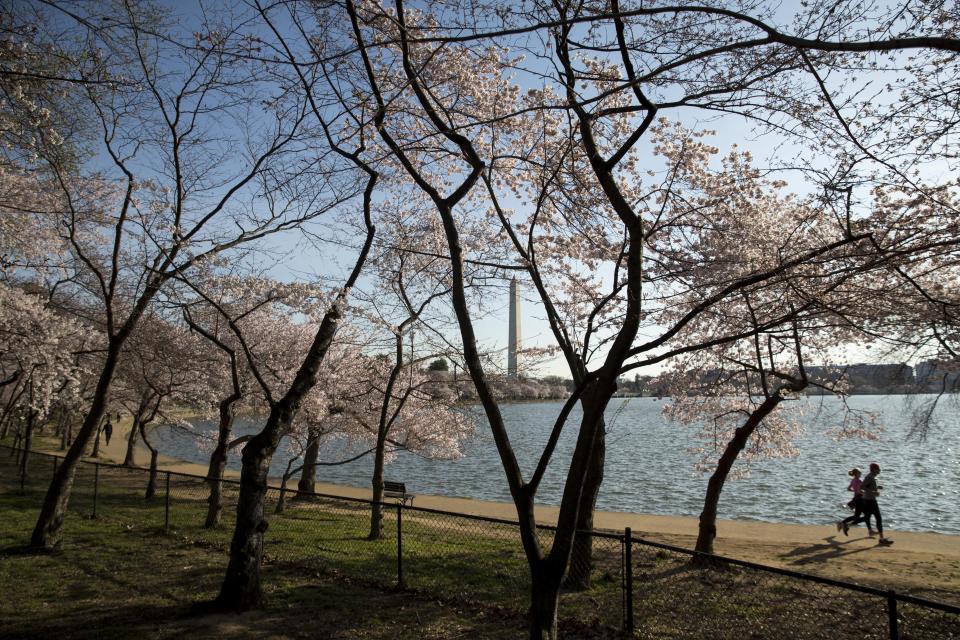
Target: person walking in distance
870	491
856	503
108	431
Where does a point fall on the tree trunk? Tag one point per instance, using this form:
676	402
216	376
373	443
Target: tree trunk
48	532
7	417
544	600
96	443
18	442
129	459
282	499
308	477
64	430
376	508
61	424
241	584
241	589
218	462
152	481
27	443
581	560
707	532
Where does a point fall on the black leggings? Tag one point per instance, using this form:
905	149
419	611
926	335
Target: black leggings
870	508
857	513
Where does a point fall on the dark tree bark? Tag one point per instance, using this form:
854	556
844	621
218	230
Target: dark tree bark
6	418
129	458
218	458
48	531
544	600
289	473
376	482
27	443
96	442
241	588
581	560
154	455
308	476
384	423
707	529
241	585
65	435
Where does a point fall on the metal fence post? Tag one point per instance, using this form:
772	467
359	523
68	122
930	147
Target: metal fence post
628	579
892	615
96	486
166	506
400	584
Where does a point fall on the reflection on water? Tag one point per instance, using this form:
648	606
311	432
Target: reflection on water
649	468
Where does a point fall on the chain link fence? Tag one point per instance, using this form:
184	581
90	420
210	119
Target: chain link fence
648	589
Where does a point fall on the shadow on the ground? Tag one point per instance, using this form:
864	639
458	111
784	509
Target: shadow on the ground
831	548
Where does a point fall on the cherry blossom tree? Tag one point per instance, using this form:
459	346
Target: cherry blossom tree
163	364
402	405
39	366
606	103
181	172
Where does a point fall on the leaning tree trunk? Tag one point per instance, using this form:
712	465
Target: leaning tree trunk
48	531
707	532
241	585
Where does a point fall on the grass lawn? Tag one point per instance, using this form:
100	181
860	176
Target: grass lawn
114	578
124	574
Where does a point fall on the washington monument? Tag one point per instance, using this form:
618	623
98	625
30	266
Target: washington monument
514	342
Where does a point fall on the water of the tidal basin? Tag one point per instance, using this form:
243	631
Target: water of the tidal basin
649	466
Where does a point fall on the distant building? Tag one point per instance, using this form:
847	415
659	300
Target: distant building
880	377
867	378
937	375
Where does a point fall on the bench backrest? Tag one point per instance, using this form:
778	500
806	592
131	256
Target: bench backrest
394	487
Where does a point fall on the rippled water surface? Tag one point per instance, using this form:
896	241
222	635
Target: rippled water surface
650	470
